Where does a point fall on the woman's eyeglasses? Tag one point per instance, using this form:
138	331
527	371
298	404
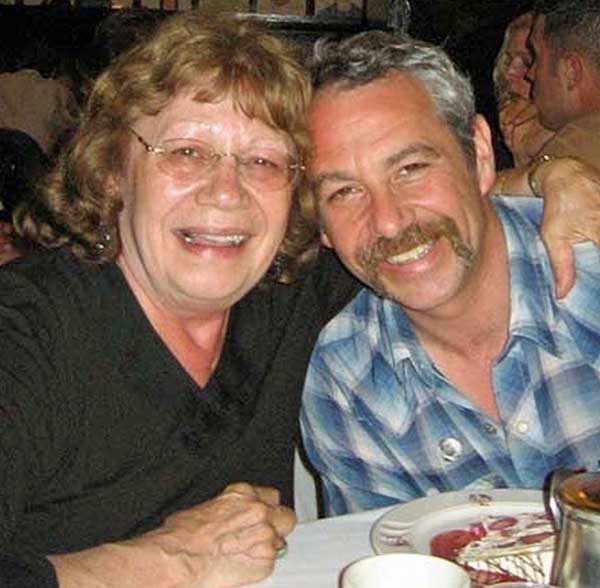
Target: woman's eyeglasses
191	161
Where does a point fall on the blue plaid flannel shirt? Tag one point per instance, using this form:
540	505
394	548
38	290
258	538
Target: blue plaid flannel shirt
382	425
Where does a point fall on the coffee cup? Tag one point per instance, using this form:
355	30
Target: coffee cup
404	570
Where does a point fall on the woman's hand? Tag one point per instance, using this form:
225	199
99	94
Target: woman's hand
571	192
221	543
230	540
521	129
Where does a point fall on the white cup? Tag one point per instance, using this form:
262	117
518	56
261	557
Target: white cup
404	570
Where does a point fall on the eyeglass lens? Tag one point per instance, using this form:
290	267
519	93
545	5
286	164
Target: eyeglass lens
192	161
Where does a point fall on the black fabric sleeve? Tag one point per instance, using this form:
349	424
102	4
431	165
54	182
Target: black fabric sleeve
334	285
27	392
26	573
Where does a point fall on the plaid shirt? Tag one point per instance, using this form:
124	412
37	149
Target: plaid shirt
381	424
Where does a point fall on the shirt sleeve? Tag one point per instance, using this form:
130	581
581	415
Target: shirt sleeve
580	309
26	572
332	438
26	437
530	207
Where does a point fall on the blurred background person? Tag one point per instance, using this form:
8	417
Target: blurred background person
520	126
37	97
23	164
565	74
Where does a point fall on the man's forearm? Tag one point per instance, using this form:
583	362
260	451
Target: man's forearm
526	180
513	182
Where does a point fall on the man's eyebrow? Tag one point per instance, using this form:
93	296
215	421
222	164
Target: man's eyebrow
319	180
414	149
390	161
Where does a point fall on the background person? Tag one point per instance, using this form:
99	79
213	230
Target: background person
521	129
37	98
22	165
566	87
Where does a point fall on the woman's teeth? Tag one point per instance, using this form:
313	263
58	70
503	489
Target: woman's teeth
412	255
221	240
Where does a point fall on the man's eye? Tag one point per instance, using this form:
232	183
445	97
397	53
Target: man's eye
408	170
344	194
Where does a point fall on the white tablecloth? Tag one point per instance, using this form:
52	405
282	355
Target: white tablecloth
319	550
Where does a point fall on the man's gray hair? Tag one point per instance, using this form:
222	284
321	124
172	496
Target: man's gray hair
572	24
373	55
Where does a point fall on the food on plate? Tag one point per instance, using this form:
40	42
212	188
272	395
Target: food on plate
498	548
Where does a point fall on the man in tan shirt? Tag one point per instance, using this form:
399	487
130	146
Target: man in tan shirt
566	86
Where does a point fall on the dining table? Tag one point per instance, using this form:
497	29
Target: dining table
318	551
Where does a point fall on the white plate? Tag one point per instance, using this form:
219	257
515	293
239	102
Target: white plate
414	524
425	517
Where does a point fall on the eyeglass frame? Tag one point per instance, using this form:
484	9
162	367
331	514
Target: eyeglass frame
296	168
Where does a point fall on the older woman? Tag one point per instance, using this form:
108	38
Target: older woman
134	384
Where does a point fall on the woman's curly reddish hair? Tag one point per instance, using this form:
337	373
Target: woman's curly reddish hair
216	57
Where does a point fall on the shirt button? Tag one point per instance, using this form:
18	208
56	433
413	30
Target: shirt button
450	448
522	427
489	428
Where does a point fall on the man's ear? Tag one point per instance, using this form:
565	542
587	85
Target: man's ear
484	152
570	69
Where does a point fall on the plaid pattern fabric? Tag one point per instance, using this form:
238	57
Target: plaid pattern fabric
381	424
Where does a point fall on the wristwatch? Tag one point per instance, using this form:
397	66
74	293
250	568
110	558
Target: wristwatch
533	168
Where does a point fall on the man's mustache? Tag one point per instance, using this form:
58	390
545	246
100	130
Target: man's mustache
414	235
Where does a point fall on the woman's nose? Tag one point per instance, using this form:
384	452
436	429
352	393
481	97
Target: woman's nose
224	187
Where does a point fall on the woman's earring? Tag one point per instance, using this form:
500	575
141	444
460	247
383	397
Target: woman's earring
277	267
104	240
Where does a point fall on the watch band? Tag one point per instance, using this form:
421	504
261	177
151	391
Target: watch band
533	168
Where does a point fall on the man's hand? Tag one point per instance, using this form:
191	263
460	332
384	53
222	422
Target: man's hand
571	191
222	543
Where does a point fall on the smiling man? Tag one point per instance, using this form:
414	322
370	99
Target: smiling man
457	367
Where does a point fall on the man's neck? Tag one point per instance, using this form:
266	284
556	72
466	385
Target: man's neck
586	99
478	316
464	338
590	104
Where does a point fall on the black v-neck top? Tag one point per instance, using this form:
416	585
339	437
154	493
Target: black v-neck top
103	433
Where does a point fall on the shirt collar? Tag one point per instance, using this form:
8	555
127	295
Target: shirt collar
533	310
403	342
532	305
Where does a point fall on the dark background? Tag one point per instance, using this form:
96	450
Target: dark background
470	30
